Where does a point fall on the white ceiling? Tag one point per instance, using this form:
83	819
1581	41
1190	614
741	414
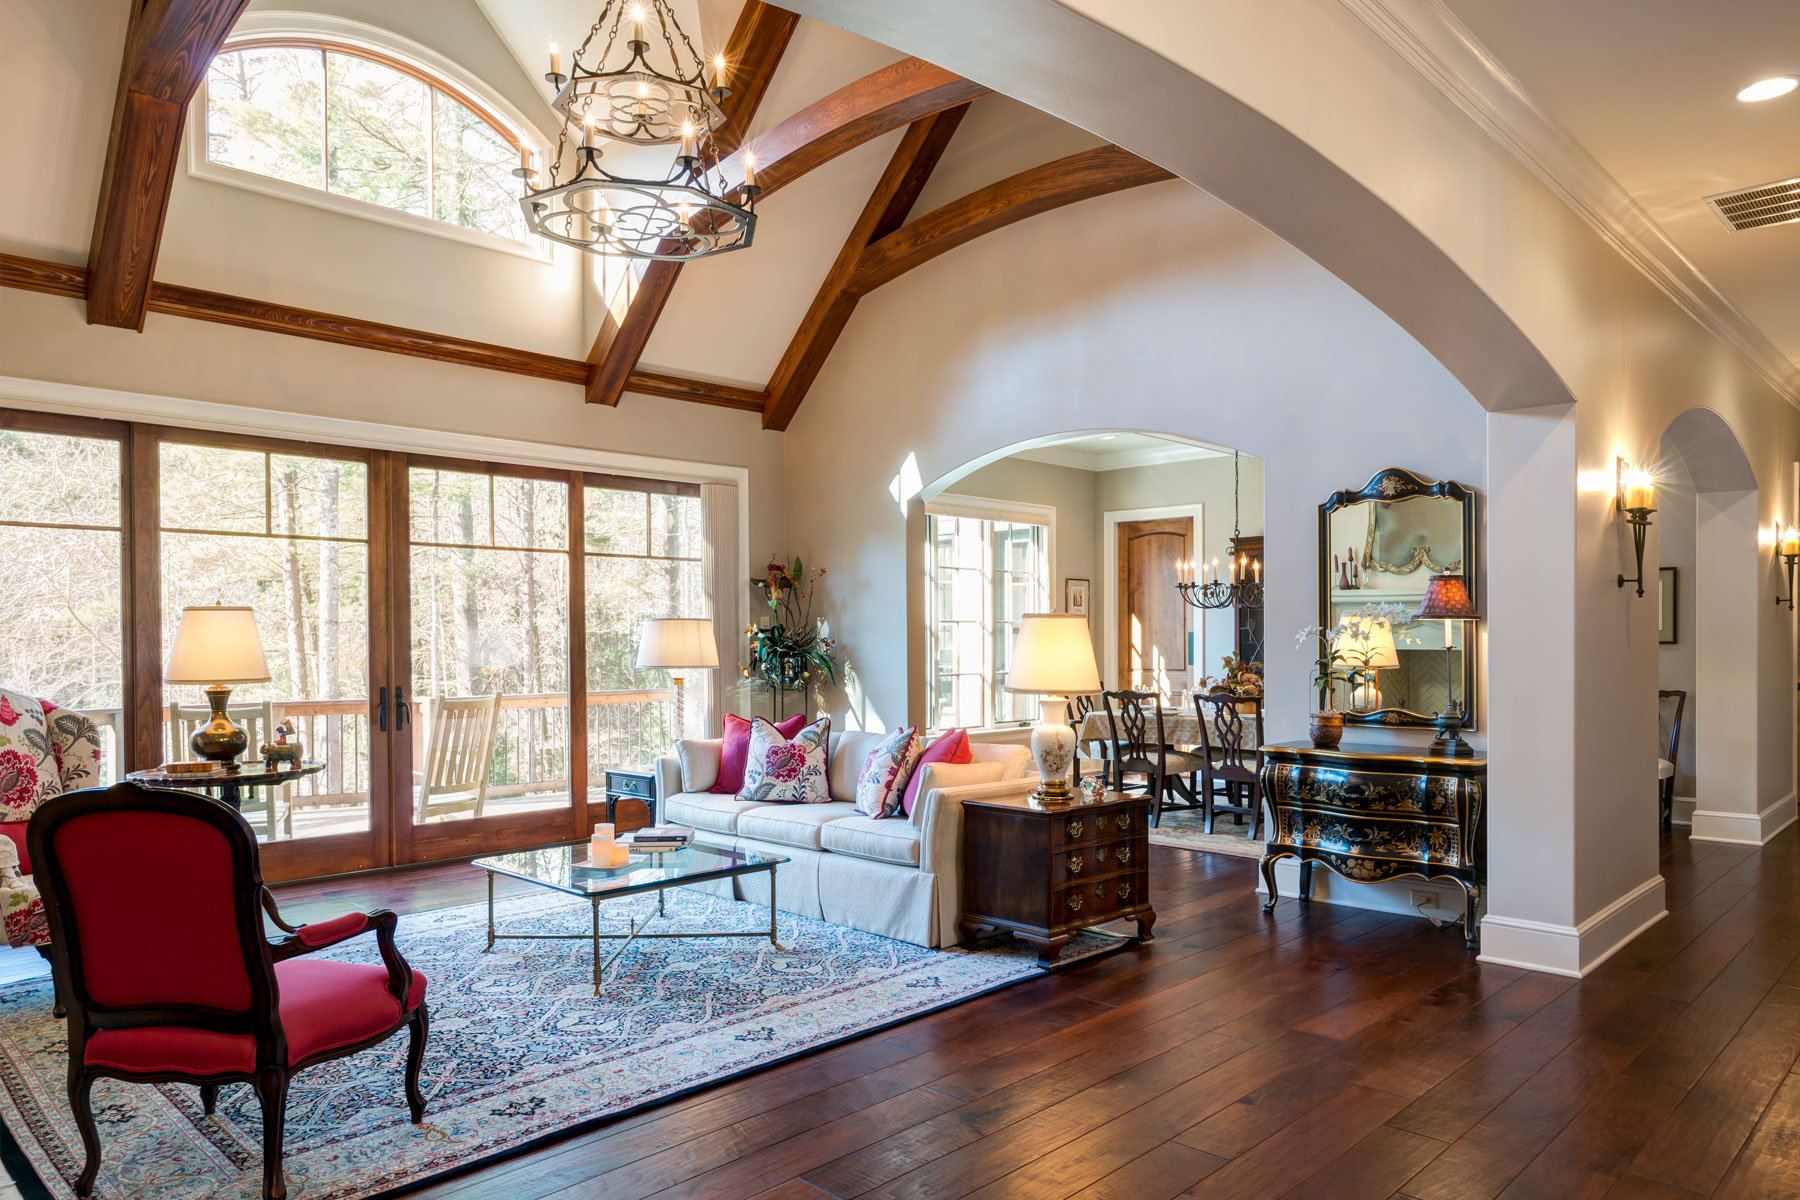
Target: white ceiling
1647	87
1117	451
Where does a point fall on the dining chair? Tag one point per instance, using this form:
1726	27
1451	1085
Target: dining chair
258	721
195	992
459	748
1091	753
1666	766
1135	750
1232	749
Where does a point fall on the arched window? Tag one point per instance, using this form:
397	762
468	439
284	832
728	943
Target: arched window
354	122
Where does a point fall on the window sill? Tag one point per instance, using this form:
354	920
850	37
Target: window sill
199	167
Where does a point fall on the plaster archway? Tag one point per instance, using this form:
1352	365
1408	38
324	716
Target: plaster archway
1728	602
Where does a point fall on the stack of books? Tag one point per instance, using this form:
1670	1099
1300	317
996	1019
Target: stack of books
659	838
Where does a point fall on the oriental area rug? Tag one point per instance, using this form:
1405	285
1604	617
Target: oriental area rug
521	1050
1185	828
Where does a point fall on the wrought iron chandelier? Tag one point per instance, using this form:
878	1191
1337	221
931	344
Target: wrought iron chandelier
1237	587
690	212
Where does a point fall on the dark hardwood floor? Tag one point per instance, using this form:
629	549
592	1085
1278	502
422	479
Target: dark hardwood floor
1320	1052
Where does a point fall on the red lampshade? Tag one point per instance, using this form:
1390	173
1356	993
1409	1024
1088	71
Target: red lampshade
1447	599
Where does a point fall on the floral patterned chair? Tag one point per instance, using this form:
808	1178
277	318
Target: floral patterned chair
44	752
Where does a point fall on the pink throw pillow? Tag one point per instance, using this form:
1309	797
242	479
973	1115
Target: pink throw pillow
736	751
951	746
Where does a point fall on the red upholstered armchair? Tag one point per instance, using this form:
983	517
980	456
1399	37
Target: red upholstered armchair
206	998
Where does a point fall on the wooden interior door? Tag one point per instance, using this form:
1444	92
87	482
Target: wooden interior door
1152	617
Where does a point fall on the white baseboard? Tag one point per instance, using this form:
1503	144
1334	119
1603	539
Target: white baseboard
1743	829
1573	950
1682	811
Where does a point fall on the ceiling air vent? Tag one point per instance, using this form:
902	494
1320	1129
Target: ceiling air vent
1753	207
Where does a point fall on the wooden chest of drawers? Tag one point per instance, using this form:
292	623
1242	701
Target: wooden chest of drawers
1046	874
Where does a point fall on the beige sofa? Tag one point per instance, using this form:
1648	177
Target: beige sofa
898	877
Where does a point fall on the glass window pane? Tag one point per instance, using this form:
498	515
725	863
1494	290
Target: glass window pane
205	487
264	113
449	507
675	527
330	495
531	512
378	126
64	480
472	181
618	522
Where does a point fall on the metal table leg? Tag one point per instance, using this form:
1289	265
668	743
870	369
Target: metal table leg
772	940
490	944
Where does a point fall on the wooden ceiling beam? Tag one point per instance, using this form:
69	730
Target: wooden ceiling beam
885	212
752	53
168	48
878	103
1068	180
57	279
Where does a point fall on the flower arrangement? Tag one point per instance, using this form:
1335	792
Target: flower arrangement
790	651
1237	677
1347	648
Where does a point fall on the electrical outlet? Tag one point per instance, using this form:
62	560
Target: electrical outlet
1423	899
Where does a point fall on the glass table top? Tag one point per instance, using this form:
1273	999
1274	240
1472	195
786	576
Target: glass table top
566	869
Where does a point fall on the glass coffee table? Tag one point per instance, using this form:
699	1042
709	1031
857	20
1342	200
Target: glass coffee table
565	869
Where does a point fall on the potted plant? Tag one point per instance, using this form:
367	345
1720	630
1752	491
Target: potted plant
792	649
1346	653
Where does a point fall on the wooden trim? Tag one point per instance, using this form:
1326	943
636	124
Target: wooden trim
168	47
577	653
27	420
192	436
1082	176
637	483
56	279
140	494
756	44
390	661
887	207
476	466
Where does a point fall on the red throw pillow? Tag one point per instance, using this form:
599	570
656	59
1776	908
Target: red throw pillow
736	751
951	746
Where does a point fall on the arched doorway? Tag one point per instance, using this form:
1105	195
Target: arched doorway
1709	540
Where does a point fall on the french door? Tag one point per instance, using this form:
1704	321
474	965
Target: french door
453	639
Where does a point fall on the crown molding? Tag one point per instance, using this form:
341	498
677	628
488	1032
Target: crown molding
1081	460
1431	39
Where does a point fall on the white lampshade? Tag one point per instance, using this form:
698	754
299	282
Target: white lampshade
216	643
677	643
1378	642
1053	655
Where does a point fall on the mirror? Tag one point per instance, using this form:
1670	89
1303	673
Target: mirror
1381	545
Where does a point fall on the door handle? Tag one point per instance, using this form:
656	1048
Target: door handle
402	710
381	711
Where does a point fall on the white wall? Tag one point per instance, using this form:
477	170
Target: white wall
1676	519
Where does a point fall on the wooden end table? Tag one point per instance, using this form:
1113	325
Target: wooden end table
1048	873
228	783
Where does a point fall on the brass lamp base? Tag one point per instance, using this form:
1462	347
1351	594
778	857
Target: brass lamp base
1053	793
219	739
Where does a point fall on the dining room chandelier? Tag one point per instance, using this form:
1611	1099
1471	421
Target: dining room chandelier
1238	586
629	100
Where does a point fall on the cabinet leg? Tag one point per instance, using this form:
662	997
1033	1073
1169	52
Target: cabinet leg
1268	874
1146	921
1049	949
1306	881
970	931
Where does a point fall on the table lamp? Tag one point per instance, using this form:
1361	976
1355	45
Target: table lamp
677	644
1447	599
217	645
1053	656
1372	653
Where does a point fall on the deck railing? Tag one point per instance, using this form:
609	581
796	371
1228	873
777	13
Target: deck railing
531	741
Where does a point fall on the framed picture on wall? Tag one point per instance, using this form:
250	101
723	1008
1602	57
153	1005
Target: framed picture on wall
1075	597
1666	631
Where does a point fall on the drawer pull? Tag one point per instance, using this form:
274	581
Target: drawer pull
1124	854
1074	830
1124	821
1100	892
1125	889
1074	864
1100	853
1074	902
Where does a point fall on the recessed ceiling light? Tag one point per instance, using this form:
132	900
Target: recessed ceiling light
1768	89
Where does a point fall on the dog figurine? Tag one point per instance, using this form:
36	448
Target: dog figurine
282	750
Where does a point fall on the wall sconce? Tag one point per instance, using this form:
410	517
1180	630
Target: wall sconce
1789	551
1635	496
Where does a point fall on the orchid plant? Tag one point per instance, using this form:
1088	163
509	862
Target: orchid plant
791	651
1347	649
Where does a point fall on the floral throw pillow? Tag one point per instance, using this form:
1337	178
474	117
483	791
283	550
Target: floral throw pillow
780	771
28	774
884	775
